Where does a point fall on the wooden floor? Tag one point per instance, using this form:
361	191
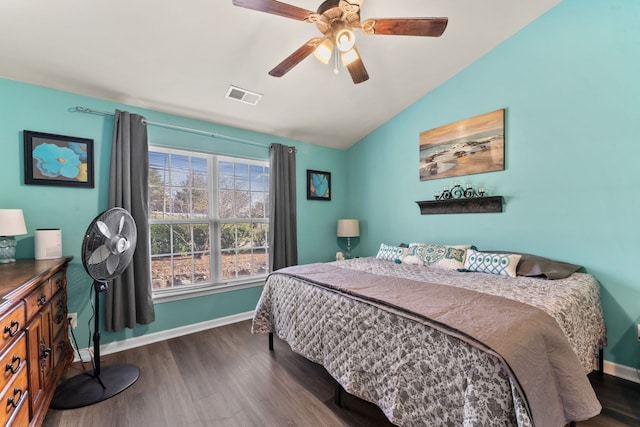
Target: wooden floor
227	377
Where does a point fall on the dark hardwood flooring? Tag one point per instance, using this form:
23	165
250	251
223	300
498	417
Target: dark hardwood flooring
228	377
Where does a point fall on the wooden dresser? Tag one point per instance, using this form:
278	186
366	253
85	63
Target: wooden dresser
34	348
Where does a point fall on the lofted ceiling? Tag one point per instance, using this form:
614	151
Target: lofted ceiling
181	58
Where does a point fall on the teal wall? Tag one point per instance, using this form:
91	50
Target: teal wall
24	106
570	84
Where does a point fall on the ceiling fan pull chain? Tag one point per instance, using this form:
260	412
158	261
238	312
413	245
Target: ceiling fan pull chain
336	71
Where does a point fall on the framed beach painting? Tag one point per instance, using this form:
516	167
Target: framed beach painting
60	160
318	185
466	147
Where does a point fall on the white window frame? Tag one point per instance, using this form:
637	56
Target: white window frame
216	285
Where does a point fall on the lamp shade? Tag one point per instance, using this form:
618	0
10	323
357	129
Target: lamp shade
348	228
12	222
323	51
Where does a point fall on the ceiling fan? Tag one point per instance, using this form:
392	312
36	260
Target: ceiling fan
336	20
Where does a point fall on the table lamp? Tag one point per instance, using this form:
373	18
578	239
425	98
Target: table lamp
348	228
11	224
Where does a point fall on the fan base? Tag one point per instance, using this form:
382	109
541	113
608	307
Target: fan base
84	389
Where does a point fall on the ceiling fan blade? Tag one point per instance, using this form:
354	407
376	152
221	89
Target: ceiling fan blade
275	8
357	70
425	27
295	58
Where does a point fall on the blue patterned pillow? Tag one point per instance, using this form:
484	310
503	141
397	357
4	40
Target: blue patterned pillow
390	253
486	262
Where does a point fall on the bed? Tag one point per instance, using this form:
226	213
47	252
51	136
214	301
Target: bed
365	321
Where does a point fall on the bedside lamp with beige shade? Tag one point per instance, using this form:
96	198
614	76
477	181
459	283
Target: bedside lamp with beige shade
11	224
348	228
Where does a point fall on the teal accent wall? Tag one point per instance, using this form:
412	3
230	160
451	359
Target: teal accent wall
570	84
24	106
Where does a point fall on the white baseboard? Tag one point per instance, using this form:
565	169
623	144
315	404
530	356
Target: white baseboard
130	343
621	371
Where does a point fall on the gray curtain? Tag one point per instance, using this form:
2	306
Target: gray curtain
129	298
283	236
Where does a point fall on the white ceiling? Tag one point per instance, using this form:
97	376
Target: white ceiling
180	57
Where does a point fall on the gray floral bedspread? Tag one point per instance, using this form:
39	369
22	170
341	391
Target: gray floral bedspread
416	374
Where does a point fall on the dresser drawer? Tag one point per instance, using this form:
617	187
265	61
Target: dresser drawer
21	416
38	299
11	324
58	313
12	360
13	396
60	349
57	282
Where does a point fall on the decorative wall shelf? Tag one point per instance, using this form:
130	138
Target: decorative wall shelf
466	205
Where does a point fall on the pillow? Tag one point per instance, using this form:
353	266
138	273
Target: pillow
491	262
410	257
433	255
537	266
390	253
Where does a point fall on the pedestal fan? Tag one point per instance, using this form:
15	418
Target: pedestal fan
107	250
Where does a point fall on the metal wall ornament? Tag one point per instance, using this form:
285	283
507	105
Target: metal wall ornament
459	192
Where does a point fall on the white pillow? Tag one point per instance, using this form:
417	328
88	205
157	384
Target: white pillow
433	255
390	253
493	263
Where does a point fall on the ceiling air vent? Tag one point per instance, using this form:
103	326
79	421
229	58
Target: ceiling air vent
243	95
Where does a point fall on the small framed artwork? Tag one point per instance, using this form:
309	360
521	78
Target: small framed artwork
318	185
60	160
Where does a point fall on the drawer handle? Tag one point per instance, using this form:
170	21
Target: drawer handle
13	329
59	283
42	299
12	401
60	303
46	352
59	318
14	369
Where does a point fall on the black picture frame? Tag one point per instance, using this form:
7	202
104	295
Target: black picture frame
318	185
58	160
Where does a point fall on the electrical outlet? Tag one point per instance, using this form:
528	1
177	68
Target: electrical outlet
73	320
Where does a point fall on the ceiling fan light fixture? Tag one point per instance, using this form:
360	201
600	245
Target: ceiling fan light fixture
345	40
323	51
349	56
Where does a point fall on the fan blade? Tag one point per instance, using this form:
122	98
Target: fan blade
295	58
112	263
275	8
425	27
357	70
99	255
104	229
121	224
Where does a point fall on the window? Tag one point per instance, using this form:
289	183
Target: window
208	219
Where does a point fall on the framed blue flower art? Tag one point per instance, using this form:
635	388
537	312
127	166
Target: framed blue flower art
318	185
57	160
